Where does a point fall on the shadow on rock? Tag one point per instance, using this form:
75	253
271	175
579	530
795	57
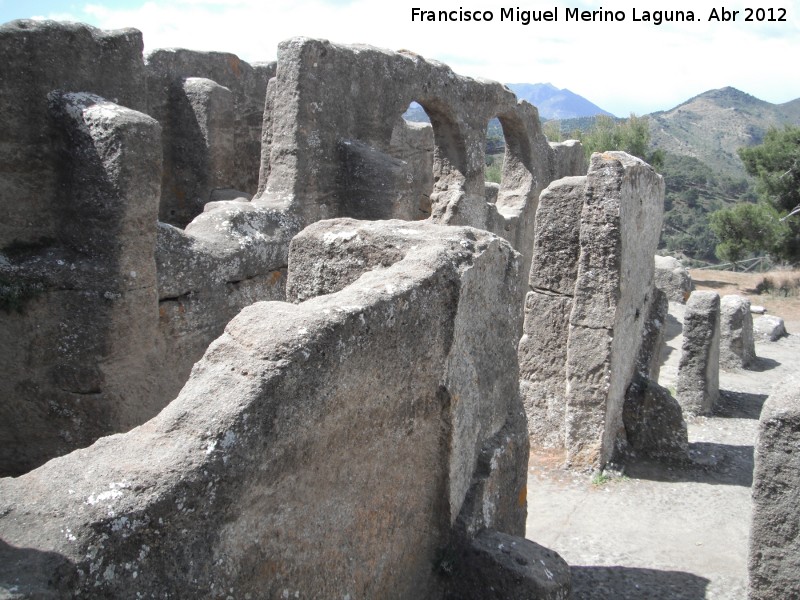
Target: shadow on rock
25	571
739	405
714	464
625	583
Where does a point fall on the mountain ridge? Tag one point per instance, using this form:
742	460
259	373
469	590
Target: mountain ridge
713	125
555	103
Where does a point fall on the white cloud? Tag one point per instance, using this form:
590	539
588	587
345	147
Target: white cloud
622	67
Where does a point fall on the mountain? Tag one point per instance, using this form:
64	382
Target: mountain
554	103
712	126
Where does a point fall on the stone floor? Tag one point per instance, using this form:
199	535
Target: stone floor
660	531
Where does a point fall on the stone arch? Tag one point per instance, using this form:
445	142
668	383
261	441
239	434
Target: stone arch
517	181
449	153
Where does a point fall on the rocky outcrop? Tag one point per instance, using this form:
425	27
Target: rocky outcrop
697	388
331	118
774	561
56	56
736	343
107	310
325	432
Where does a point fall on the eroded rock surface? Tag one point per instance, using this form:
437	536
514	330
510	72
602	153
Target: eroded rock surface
591	308
211	106
620	227
737	347
325	432
774	561
697	388
80	350
673	278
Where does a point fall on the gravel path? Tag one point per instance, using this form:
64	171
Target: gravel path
660	531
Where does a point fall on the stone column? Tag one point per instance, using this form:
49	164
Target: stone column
698	370
543	346
620	227
737	347
774	562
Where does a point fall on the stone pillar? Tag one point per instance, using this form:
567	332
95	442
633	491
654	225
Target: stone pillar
698	370
737	347
543	346
84	348
175	93
620	227
213	106
200	153
38	57
774	562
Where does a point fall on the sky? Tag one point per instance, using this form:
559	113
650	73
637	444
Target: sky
623	66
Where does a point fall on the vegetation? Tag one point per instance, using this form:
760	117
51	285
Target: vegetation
786	285
494	167
630	135
694	191
748	229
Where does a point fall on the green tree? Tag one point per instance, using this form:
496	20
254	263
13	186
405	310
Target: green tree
552	129
630	135
757	228
747	229
776	164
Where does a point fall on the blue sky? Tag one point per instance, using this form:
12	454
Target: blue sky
623	67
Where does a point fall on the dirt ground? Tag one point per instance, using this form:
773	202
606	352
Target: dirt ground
663	531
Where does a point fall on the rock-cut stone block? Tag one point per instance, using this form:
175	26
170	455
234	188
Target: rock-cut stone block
673	278
774	561
737	347
698	370
497	566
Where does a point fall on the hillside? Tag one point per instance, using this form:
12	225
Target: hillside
712	126
701	167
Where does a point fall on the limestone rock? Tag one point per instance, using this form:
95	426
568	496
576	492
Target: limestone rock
569	158
769	327
673	278
697	388
736	344
56	56
332	142
774	561
648	362
556	243
329	255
